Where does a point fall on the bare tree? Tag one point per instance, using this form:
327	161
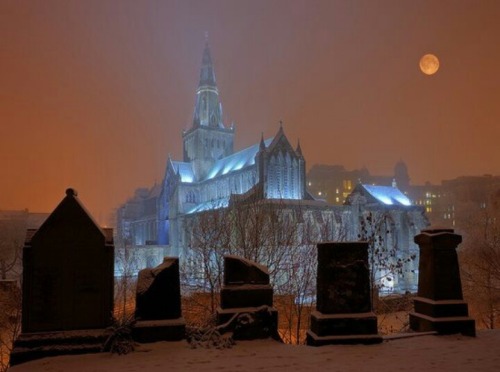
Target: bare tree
126	267
387	263
276	234
480	264
10	320
12	235
209	240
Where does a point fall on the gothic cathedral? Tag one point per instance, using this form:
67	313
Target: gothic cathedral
211	171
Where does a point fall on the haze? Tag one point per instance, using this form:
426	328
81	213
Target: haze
95	94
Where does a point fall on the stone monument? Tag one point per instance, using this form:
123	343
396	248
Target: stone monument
67	284
440	306
158	304
343	311
247	300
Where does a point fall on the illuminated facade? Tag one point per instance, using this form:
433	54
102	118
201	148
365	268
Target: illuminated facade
211	171
212	175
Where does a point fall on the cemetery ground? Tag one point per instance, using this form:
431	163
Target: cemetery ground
429	352
433	353
421	353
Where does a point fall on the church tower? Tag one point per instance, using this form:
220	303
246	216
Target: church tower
208	139
401	176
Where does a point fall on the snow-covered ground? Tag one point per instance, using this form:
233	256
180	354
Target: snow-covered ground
423	353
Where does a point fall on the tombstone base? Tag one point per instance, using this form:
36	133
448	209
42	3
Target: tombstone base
146	331
444	317
36	345
355	328
314	340
249	323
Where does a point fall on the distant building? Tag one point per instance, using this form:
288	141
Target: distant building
453	201
138	224
13	226
334	183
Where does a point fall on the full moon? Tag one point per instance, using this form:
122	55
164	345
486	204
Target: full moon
429	64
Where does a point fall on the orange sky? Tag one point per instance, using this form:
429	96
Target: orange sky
95	94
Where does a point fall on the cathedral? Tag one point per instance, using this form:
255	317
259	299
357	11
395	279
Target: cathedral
211	171
212	176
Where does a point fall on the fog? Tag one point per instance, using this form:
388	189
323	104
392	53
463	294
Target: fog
95	94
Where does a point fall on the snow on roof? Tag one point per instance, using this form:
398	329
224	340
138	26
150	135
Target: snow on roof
388	195
185	170
236	161
209	205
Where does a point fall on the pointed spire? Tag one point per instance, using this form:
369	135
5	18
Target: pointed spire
207	74
298	150
280	131
262	144
208	109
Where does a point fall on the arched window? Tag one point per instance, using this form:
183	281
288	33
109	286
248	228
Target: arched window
191	197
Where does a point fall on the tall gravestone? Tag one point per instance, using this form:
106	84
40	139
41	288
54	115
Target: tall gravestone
343	311
440	306
67	284
247	300
158	304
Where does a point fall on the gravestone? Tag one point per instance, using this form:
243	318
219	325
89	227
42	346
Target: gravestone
440	306
67	284
247	300
343	311
158	304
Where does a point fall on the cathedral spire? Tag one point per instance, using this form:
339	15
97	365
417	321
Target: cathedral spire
298	150
262	145
208	109
207	74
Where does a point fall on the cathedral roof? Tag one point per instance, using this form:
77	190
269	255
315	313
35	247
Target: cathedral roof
184	170
210	205
387	195
236	161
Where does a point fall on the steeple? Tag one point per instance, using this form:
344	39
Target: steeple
262	145
298	150
207	74
208	140
208	109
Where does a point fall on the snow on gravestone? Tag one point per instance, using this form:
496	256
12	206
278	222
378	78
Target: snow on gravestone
158	292
246	284
158	303
247	298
